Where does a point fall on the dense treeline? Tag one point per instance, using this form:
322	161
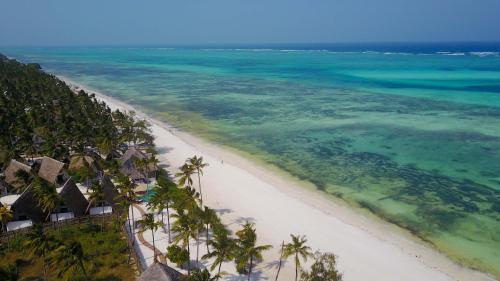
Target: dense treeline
40	114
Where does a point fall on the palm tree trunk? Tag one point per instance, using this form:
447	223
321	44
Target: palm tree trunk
102	222
4	228
133	226
189	260
296	266
168	224
154	247
83	270
281	260
218	271
197	246
250	268
208	240
201	193
129	222
44	268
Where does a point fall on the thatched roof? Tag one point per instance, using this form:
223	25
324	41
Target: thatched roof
160	272
110	192
28	205
50	169
131	153
128	167
73	198
12	169
78	162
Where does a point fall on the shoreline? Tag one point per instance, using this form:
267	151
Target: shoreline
331	225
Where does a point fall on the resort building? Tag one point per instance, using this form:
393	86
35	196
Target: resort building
10	173
74	202
78	162
84	166
25	209
129	167
52	171
160	272
110	198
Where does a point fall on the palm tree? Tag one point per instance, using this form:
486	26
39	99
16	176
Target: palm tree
5	216
148	222
48	198
298	249
124	204
156	201
280	261
185	174
209	217
202	275
139	164
40	244
166	193
155	162
248	252
185	230
126	187
96	197
68	258
22	180
223	248
197	224
197	164
10	273
255	254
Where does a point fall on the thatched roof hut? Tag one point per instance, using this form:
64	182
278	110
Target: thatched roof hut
51	170
110	191
160	272
12	169
128	167
73	198
27	205
78	162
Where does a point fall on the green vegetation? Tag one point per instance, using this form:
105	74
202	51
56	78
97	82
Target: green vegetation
297	249
178	255
41	116
323	268
70	253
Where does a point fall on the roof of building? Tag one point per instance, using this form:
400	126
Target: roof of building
130	153
28	205
12	169
50	169
128	167
160	272
78	162
73	198
109	190
8	200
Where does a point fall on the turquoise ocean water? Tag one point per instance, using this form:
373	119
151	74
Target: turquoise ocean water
412	134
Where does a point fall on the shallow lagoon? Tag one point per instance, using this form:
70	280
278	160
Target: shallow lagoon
413	138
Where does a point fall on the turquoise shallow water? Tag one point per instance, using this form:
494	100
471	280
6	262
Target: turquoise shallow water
414	138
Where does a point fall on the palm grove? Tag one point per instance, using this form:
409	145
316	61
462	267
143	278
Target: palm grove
37	106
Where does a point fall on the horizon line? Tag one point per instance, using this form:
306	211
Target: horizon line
241	44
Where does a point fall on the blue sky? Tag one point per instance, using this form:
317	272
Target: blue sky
178	22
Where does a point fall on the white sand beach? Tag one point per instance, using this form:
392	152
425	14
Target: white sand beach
240	190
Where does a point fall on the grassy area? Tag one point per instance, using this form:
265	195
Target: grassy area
106	255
